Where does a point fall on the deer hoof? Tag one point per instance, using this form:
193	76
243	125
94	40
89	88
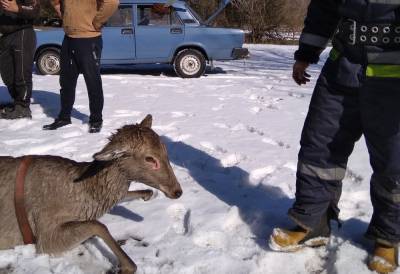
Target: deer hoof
147	194
128	269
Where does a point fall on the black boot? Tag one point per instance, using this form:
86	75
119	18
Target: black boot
16	112
6	106
95	127
56	124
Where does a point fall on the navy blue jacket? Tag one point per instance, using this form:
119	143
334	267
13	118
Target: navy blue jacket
323	17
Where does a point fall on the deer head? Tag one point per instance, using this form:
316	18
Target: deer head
141	156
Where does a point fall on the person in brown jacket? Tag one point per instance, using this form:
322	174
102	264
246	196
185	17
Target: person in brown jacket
80	53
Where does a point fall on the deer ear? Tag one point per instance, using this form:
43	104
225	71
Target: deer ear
109	154
147	121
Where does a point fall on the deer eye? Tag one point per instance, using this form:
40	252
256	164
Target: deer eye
150	160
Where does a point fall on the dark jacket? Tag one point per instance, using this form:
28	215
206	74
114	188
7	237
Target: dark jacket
324	16
11	22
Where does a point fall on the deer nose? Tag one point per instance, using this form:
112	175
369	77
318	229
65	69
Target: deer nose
178	194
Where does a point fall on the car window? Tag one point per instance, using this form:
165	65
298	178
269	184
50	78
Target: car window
175	18
187	17
121	18
148	16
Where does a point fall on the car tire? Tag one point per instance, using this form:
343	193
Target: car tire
190	63
48	61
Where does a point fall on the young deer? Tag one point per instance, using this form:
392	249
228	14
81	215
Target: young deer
63	198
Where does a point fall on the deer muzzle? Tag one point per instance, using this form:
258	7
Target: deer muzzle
172	193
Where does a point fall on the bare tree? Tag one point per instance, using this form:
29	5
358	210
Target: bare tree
262	17
294	14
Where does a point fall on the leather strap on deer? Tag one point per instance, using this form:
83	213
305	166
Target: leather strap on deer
19	201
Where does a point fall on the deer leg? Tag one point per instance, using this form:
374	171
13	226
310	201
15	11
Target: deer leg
139	194
72	234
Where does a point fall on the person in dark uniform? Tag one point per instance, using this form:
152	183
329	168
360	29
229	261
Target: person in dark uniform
17	49
357	94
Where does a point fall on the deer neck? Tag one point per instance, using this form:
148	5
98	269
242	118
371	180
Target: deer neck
106	186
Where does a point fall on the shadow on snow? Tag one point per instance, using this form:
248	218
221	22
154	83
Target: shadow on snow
261	207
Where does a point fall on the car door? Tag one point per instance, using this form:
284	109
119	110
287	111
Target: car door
119	37
157	34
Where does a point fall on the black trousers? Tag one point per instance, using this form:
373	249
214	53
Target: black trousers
81	55
16	61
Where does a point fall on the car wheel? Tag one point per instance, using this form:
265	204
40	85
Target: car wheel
190	63
48	61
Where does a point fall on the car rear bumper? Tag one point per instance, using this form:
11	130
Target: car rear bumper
240	53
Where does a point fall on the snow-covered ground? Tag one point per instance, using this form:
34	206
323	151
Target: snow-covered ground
233	137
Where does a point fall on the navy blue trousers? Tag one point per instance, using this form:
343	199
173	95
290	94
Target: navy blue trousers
81	55
337	118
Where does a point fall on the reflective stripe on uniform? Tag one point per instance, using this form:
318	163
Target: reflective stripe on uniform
387	71
334	54
388	57
387	2
314	40
328	174
383	192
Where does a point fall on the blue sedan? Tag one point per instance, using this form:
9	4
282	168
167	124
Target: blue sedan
138	34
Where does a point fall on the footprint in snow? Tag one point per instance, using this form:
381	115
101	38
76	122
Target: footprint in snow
269	87
169	127
270	141
212	147
296	95
257	175
232	160
238	127
255	130
179	114
255	110
211	239
180	217
256	97
179	137
219	107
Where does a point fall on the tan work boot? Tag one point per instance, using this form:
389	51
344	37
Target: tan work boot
384	259
292	240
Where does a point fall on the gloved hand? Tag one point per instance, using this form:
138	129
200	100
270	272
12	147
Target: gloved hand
300	76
